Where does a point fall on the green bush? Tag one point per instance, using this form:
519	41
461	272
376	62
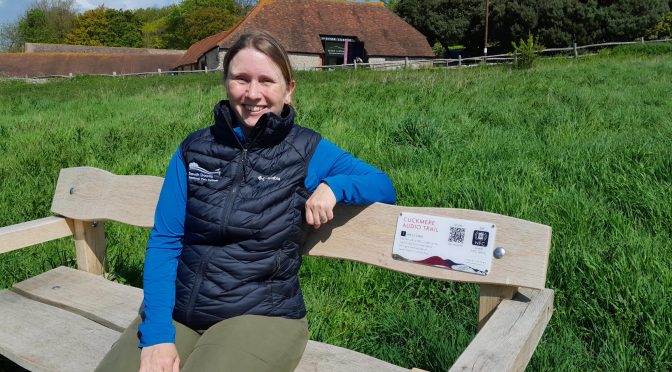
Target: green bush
525	53
662	30
439	50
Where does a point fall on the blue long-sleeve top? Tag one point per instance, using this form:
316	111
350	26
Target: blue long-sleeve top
352	181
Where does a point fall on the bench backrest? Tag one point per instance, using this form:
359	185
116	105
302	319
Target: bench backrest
363	234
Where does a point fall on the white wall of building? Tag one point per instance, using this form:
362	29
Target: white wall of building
304	61
220	58
212	59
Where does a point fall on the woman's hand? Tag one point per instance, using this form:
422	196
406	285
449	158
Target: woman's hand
159	358
320	206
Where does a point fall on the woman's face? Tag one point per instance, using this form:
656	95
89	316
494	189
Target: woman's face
255	86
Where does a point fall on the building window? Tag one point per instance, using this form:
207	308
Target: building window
340	50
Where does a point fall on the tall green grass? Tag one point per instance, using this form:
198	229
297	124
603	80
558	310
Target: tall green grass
581	145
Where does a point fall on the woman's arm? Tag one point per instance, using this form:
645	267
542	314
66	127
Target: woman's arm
336	176
163	249
351	180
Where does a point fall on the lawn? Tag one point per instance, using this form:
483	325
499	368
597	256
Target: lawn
584	146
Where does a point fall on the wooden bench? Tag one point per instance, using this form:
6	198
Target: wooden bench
66	319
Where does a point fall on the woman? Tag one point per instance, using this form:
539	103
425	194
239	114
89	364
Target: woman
221	271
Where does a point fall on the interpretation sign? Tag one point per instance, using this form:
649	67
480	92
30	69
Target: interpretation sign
451	243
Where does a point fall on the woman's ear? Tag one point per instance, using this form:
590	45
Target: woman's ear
290	91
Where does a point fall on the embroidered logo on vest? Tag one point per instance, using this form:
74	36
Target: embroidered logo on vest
196	173
268	178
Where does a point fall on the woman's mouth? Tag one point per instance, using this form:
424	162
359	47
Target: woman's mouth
252	108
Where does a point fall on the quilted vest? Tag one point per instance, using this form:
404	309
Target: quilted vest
244	227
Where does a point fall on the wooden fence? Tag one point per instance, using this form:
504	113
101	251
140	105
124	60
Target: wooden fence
574	51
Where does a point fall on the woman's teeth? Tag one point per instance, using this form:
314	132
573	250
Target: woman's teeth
254	108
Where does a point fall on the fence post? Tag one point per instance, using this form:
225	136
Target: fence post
355	62
70	74
159	71
642	39
406	62
576	51
206	69
114	73
459	60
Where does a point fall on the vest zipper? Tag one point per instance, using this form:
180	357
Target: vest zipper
197	284
237	182
240	177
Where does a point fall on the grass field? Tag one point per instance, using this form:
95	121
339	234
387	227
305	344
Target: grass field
584	146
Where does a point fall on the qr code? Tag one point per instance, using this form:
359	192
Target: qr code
456	235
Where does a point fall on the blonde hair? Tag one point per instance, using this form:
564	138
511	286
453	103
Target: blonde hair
265	43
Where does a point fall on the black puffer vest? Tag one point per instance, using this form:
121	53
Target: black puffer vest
244	226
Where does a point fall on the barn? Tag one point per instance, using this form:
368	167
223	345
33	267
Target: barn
318	33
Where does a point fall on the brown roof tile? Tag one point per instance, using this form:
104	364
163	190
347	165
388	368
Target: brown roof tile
298	24
47	64
199	48
67	48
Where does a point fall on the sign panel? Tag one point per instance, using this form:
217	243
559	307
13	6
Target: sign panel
334	48
450	243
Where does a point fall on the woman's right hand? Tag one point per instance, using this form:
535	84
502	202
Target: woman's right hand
159	358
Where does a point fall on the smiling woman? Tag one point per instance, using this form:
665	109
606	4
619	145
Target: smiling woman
221	288
255	83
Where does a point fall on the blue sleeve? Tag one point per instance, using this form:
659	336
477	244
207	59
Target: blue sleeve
163	249
352	180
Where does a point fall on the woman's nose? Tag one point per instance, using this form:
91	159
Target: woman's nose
254	90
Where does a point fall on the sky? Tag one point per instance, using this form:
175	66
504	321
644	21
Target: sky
12	10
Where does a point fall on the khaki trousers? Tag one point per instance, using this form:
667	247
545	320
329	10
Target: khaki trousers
243	343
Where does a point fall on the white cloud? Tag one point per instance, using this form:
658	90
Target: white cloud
85	5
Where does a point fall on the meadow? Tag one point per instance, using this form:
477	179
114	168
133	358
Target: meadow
584	146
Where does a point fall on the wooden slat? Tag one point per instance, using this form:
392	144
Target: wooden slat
34	232
92	296
509	338
92	194
40	337
327	358
366	234
363	234
90	246
115	306
489	298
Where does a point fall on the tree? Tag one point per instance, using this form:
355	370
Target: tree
33	27
445	21
153	25
109	27
559	23
60	16
204	22
626	20
190	21
662	30
46	21
10	39
153	33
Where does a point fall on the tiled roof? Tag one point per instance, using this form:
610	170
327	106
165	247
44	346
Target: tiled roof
298	24
47	64
67	48
199	48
